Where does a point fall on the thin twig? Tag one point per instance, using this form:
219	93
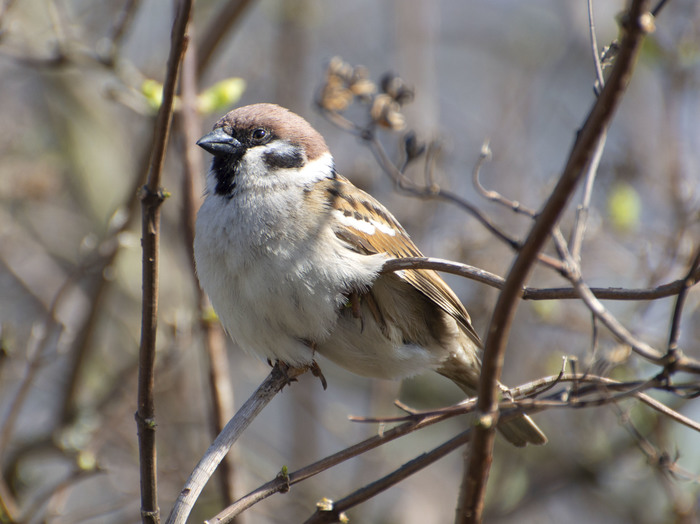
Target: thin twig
600	81
429	191
690	280
474	485
584	385
582	291
665	410
333	511
406	184
492	195
409	186
529	293
151	199
673	360
655	12
579	229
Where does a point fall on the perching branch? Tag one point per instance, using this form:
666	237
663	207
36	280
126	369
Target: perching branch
529	293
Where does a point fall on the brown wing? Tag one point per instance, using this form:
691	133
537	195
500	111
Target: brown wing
383	234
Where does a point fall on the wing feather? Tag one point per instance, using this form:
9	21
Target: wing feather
383	234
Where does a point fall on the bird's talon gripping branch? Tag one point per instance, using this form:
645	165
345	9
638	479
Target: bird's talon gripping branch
316	372
288	372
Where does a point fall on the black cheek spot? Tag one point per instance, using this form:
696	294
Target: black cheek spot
288	159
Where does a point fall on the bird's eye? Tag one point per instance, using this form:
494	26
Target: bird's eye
259	134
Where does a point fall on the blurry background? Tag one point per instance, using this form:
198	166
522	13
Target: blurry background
74	138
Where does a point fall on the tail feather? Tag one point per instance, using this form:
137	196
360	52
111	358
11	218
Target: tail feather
519	431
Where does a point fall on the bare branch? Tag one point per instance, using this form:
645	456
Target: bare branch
655	12
490	194
582	211
673	360
600	82
690	280
665	410
529	293
151	199
474	487
582	386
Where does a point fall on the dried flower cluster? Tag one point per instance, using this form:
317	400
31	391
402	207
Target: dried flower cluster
344	84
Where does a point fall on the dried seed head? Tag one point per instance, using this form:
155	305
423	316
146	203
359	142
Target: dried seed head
386	112
394	86
413	147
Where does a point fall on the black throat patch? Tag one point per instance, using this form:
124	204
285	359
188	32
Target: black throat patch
225	168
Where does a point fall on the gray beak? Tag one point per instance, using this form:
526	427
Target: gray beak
220	143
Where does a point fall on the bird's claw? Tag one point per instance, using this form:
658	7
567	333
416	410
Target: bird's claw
290	373
316	372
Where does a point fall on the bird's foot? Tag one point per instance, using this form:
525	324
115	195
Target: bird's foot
290	373
316	372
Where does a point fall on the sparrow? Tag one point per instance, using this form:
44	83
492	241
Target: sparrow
290	253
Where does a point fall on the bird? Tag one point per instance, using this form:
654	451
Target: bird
290	253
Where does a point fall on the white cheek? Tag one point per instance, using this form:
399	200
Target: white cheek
316	170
